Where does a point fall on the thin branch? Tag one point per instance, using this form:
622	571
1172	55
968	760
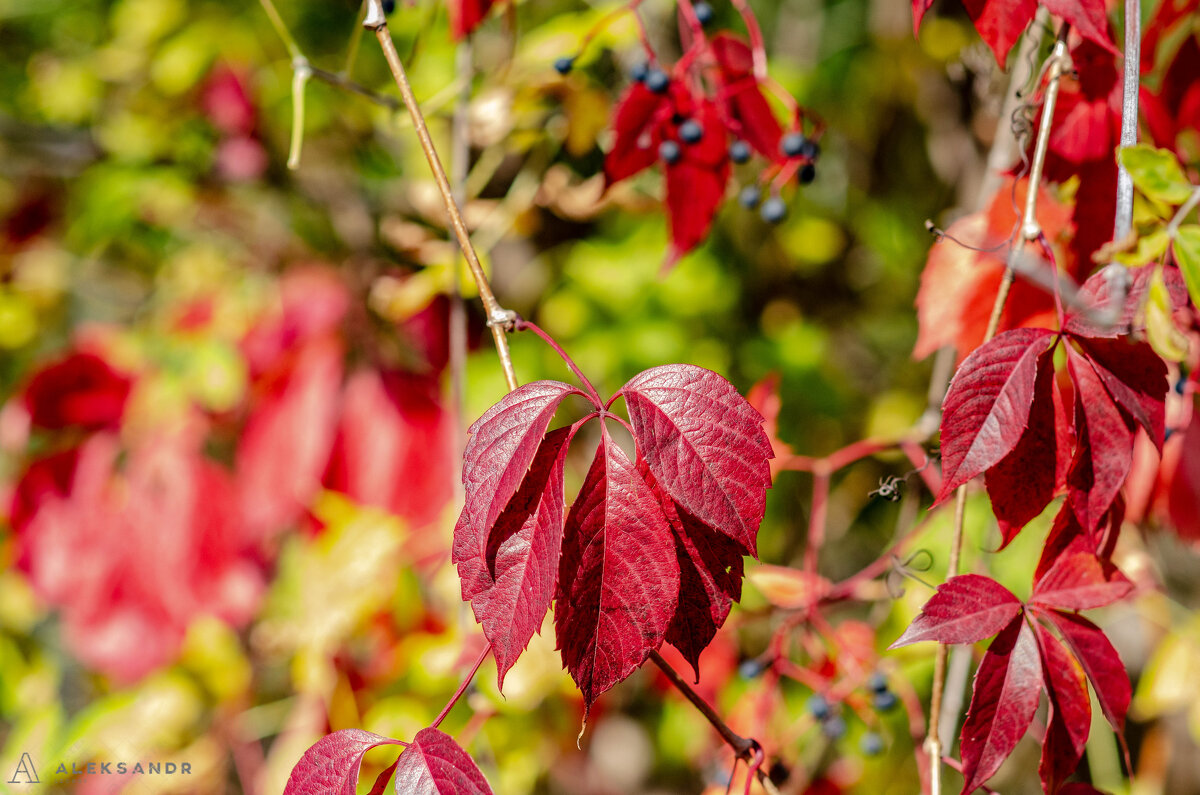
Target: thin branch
277	22
341	80
743	747
301	72
462	688
1123	222
1182	213
499	319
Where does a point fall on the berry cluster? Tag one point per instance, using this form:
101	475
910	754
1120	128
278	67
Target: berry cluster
699	118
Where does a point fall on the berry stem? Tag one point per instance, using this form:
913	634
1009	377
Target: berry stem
499	319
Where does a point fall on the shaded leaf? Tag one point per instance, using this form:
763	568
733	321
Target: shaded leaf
435	765
705	446
633	147
1103	448
331	765
618	579
1004	699
1100	662
1186	249
987	405
1070	716
509	575
1135	377
1000	22
965	609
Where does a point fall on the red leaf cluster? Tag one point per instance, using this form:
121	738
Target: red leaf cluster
1027	658
651	549
736	108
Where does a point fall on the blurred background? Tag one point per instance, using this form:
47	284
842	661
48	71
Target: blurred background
229	447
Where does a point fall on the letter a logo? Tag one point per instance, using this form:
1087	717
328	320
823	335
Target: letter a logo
25	772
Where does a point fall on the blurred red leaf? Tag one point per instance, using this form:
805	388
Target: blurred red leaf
79	390
1080	582
1100	662
747	106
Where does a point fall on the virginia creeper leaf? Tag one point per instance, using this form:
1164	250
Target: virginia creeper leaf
1080	582
965	609
987	405
435	765
503	444
1000	22
748	107
1103	445
1067	537
633	150
1095	310
1070	716
696	182
1005	697
509	576
1100	662
618	579
1186	249
1022	483
1135	377
331	765
705	446
710	577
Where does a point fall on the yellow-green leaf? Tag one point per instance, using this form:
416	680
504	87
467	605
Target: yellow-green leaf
1150	248
1167	340
1187	256
1156	173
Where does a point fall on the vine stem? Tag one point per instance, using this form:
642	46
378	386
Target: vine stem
743	747
462	688
1031	230
499	319
525	325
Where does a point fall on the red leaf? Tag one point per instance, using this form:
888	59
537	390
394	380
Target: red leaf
465	15
747	105
1070	716
1174	110
705	445
1080	582
81	390
965	609
1067	537
987	405
509	576
44	478
919	8
618	579
1136	378
1022	483
503	444
1183	489
1007	686
278	468
1089	17
1001	22
696	183
634	148
710	577
1103	447
1095	296
958	284
1100	662
330	767
435	765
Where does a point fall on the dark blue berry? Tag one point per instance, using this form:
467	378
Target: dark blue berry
750	197
389	6
871	744
704	12
1181	385
877	682
640	72
657	81
739	151
565	64
1168	433
834	727
810	150
808	172
792	144
773	210
818	706
669	151
884	700
750	669
691	132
